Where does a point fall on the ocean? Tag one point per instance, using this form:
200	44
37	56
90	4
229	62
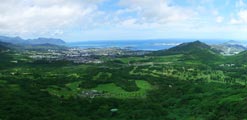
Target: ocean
151	45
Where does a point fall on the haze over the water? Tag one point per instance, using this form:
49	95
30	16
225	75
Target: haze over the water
85	20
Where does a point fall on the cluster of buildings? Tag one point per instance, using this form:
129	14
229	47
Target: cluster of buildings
90	94
227	65
78	55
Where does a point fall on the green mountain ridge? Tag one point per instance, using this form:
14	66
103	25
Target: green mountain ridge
230	48
193	51
240	58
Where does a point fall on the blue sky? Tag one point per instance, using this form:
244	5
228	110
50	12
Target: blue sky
79	20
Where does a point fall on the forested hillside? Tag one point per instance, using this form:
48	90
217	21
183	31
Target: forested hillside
187	82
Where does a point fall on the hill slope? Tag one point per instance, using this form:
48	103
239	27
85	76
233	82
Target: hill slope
192	51
6	46
2	46
5	56
240	58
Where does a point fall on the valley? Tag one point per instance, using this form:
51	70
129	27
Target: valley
189	81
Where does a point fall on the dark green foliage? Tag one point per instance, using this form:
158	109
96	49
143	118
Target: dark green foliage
182	91
193	51
189	47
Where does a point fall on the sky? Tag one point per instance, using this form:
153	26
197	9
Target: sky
85	20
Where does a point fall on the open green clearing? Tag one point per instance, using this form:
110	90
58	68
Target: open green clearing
112	90
118	92
102	74
70	90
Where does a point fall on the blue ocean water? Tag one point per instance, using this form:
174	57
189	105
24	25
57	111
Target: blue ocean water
151	45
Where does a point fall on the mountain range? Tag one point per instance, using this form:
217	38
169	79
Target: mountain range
20	41
196	51
230	48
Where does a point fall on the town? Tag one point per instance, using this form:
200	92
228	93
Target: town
79	55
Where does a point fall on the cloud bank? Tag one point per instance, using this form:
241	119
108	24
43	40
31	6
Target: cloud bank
126	19
44	16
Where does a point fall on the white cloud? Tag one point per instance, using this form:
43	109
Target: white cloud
158	11
25	17
219	19
235	21
240	4
32	18
241	18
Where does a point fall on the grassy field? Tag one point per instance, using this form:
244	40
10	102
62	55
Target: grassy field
132	59
102	74
153	59
112	90
118	92
170	58
71	89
